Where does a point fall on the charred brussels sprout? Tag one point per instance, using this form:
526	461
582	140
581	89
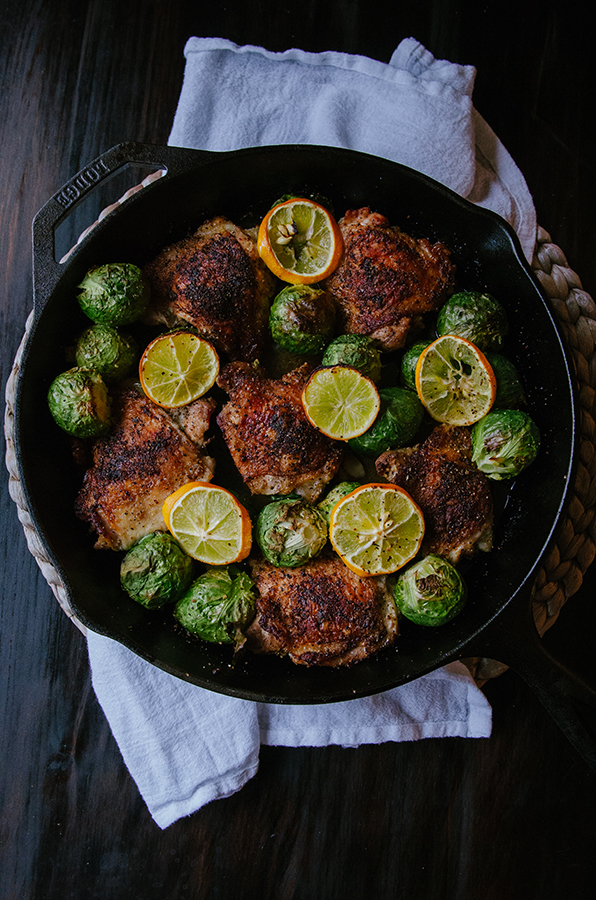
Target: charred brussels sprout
504	443
290	531
218	605
335	494
357	351
114	294
408	364
510	393
477	317
396	425
79	402
156	570
430	592
108	351
302	319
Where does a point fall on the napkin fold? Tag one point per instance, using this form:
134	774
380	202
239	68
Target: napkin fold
185	746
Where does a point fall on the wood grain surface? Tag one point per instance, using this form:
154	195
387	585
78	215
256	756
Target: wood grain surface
509	817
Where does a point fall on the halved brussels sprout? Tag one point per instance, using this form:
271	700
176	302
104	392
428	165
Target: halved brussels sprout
218	605
396	425
510	393
408	364
79	402
156	570
114	294
302	319
475	316
335	494
504	443
430	592
357	351
290	531
108	351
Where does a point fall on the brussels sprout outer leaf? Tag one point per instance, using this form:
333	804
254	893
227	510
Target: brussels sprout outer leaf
357	351
79	402
114	294
504	443
477	317
156	570
430	592
218	605
408	364
290	532
335	494
396	425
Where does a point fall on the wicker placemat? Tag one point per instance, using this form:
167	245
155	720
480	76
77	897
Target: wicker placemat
562	571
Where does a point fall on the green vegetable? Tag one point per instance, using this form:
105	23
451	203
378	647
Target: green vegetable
357	351
79	402
510	393
340	490
114	294
430	592
504	443
108	351
290	531
477	317
218	605
156	570
408	364
396	425
302	319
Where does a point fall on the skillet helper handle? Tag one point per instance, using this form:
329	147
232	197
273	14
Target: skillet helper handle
46	269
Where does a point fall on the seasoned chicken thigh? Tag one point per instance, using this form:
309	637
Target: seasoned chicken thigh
320	613
215	281
452	493
386	279
272	443
145	458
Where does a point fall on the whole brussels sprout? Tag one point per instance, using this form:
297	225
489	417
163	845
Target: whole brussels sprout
396	425
510	393
114	294
218	605
335	494
504	443
108	351
302	319
79	402
408	364
357	351
475	316
430	592
156	570
290	531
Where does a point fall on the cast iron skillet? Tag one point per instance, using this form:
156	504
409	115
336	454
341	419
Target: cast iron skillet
497	621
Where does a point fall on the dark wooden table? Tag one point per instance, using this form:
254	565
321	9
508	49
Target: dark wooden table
509	817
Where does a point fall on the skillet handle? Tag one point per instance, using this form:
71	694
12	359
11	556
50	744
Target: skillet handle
167	161
567	697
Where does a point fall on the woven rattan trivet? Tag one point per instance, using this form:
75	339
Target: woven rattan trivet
563	569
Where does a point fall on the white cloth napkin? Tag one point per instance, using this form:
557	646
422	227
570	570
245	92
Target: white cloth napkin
185	746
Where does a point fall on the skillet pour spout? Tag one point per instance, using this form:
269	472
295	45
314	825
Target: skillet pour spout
186	188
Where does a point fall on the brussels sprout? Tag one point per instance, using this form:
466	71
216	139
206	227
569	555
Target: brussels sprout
504	443
475	316
218	605
114	294
290	531
156	570
302	319
397	423
80	403
430	592
108	351
357	351
408	364
510	393
340	490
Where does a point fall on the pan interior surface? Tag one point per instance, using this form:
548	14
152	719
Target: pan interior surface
242	186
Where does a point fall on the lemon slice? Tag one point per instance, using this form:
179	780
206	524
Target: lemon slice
177	368
455	381
340	401
208	523
299	241
376	529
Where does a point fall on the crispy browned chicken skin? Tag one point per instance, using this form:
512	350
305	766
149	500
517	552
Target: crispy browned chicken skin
386	279
452	493
145	458
214	280
320	613
274	446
